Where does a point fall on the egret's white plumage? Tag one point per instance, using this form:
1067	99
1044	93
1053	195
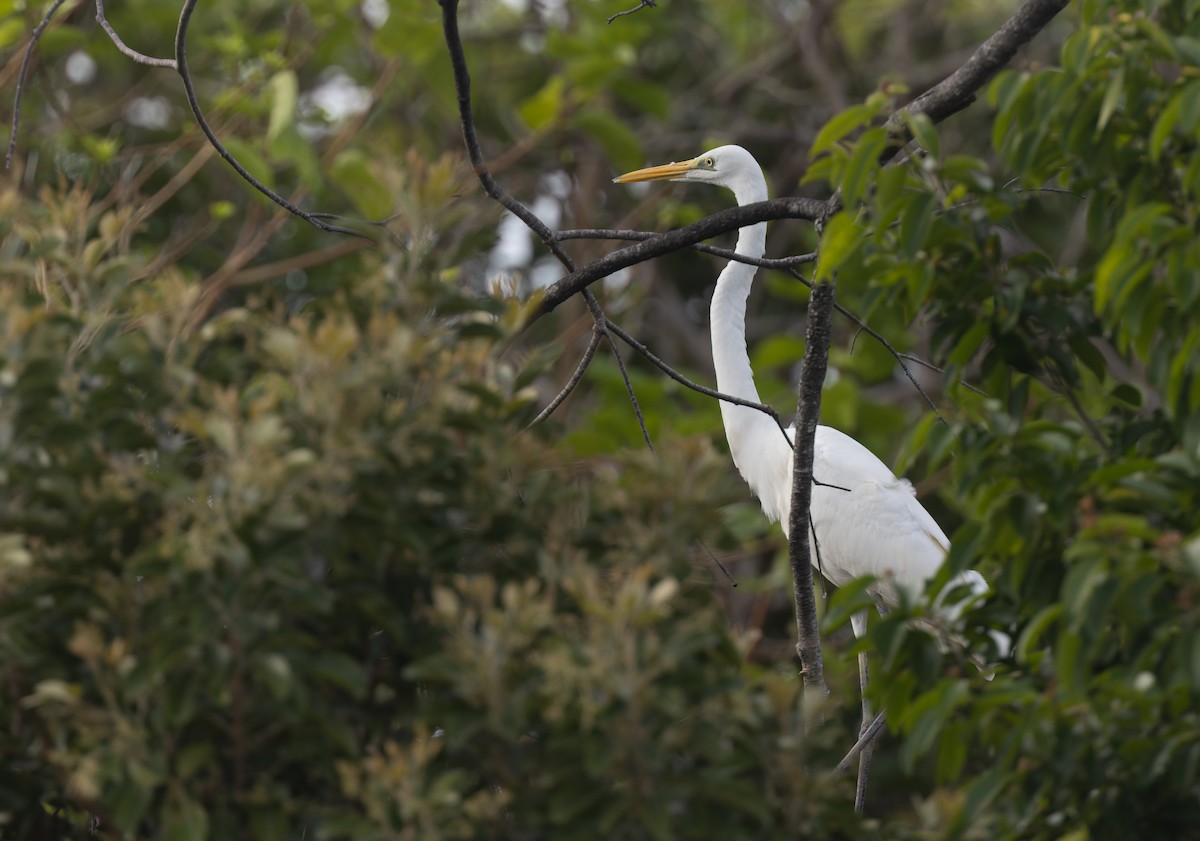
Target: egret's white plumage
865	519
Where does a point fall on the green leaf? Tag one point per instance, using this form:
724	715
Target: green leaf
284	91
183	819
646	96
926	716
340	670
841	125
11	31
353	173
1033	632
841	238
545	106
915	224
862	165
924	132
845	602
1112	96
1164	125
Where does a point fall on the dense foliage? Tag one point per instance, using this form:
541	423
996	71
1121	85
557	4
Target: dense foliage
279	558
306	572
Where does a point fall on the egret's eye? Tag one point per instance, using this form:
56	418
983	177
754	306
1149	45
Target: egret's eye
708	162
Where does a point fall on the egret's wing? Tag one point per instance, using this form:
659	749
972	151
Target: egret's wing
869	522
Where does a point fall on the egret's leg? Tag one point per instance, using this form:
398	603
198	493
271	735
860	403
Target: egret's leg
858	622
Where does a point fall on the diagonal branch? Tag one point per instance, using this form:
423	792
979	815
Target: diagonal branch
33	41
710	226
580	370
694	386
958	90
865	739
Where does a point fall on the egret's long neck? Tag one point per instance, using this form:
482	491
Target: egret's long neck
755	442
728	322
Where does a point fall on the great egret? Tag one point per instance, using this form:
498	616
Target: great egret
865	520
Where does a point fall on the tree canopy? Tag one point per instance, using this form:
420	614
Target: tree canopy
283	557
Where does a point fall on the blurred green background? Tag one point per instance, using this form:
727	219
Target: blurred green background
280	560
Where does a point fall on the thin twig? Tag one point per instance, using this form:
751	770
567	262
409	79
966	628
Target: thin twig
645	4
33	41
580	370
694	386
140	58
877	336
1088	423
721	566
927	364
637	409
865	739
181	66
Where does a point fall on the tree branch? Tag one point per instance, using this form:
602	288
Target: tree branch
865	739
21	75
957	90
808	412
684	381
727	253
644	4
580	370
140	58
710	226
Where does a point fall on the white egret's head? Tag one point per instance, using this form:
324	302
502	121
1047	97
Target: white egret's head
724	166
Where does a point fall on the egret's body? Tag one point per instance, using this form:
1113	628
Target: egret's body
865	520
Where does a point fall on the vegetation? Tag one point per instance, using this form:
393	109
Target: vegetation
280	558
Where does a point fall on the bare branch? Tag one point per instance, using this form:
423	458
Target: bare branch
462	86
644	4
140	58
33	41
580	370
694	386
710	226
727	253
637	409
865	739
957	90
